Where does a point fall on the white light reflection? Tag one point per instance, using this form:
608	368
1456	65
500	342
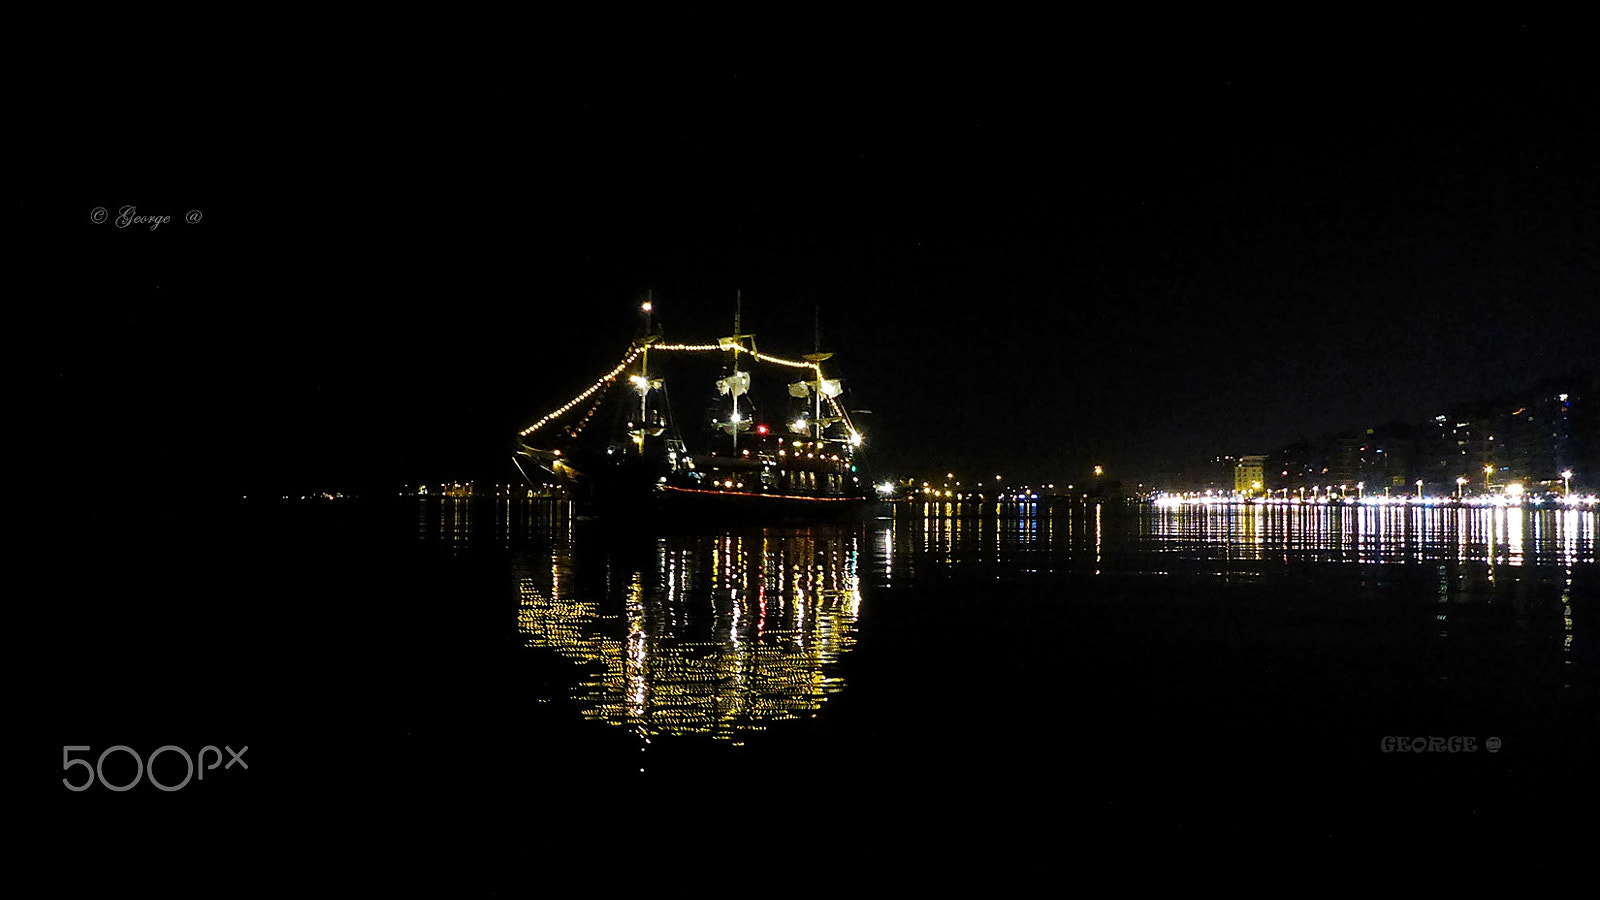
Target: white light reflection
1374	533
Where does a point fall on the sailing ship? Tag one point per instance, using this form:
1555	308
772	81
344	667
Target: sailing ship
774	440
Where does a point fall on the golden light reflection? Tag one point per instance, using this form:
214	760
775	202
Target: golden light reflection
717	636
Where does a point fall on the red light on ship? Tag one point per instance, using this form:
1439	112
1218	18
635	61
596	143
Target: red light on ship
761	429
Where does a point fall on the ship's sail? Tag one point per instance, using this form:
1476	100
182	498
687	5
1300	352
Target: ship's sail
830	387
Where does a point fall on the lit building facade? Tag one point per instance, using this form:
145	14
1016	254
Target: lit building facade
1248	474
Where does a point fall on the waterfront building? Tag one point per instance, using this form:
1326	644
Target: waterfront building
1346	460
1248	474
1535	439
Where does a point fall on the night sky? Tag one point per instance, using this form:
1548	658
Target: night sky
1034	247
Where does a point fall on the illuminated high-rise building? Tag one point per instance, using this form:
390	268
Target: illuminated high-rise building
1248	474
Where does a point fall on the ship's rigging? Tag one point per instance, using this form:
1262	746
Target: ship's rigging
740	454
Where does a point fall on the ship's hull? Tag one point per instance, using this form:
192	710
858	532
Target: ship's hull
625	496
700	504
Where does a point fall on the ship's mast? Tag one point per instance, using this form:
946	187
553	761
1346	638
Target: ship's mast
816	357
644	358
734	392
641	381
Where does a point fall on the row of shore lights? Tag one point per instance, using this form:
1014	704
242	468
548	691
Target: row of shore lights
1515	490
1027	492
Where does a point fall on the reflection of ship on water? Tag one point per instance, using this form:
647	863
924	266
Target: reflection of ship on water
712	635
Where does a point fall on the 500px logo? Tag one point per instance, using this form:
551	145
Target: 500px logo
129	215
146	767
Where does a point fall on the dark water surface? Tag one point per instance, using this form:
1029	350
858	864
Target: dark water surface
497	691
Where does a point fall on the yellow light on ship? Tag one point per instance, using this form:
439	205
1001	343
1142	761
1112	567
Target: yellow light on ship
646	306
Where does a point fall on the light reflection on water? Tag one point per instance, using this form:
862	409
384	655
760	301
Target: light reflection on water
1467	561
1233	540
717	635
1373	534
726	633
